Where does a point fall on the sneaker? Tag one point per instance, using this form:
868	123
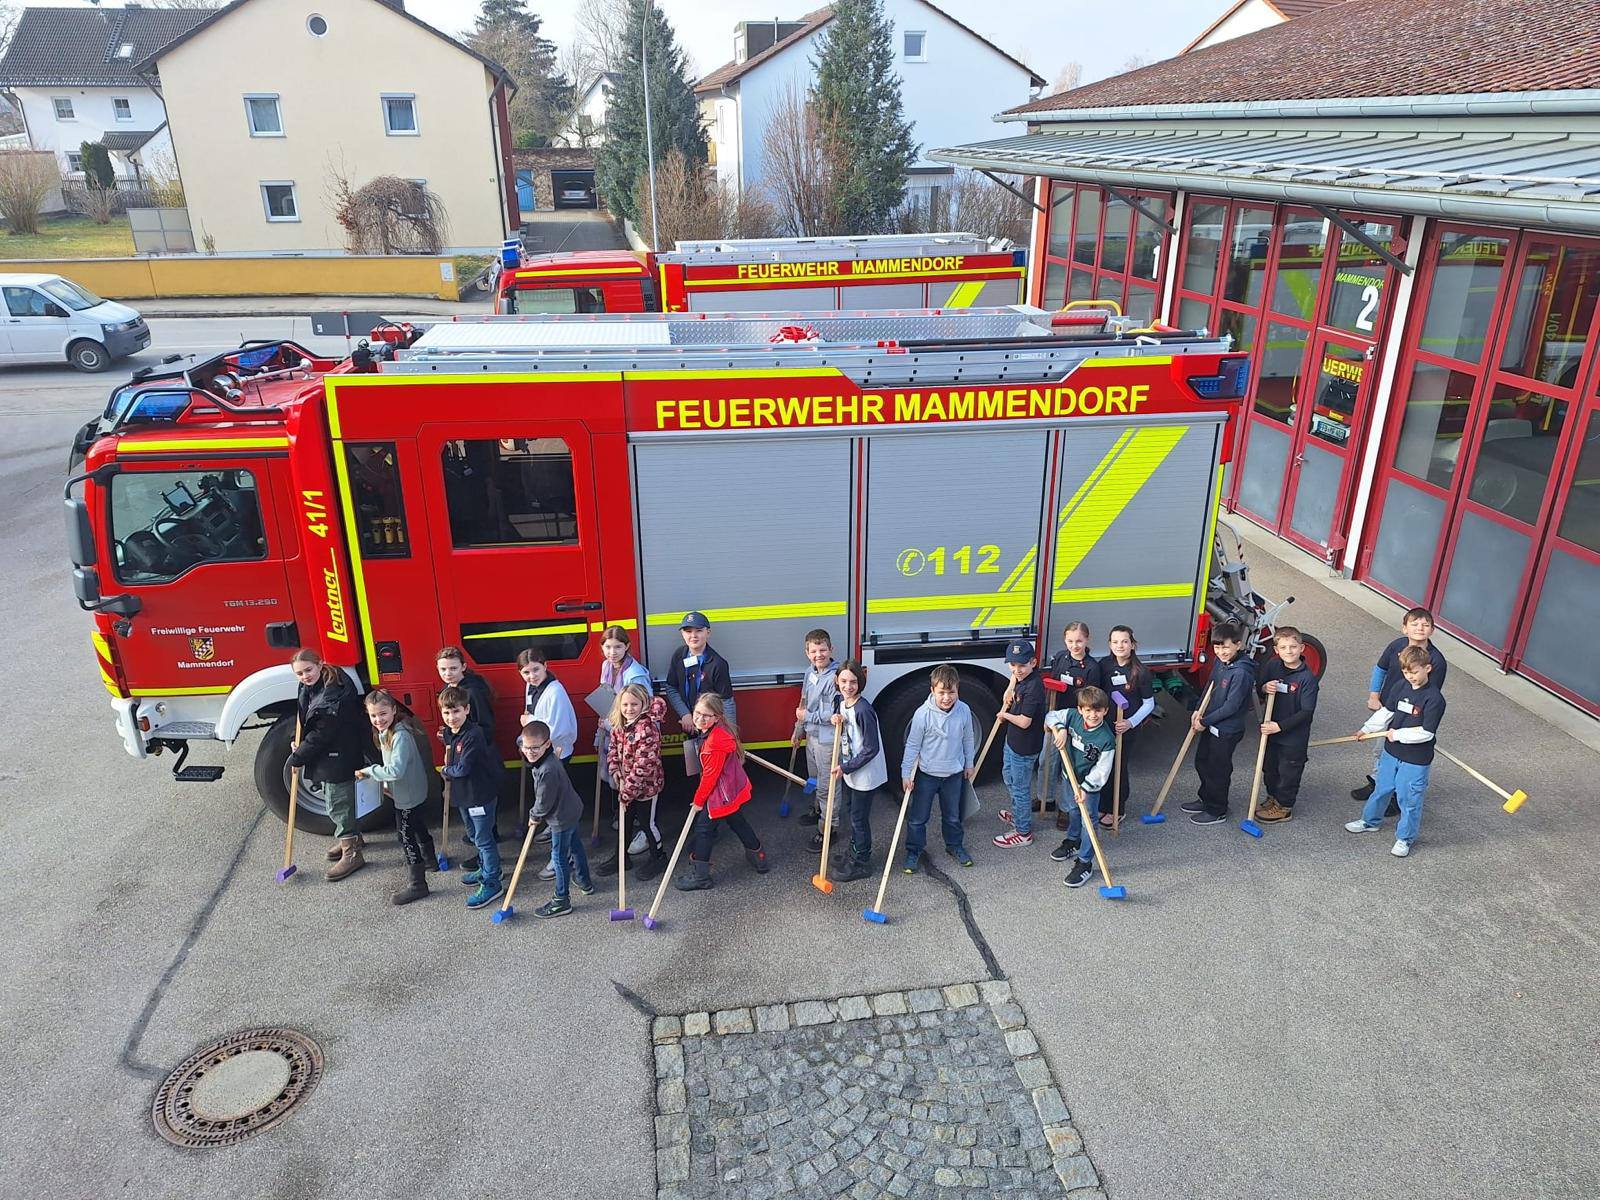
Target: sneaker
1192	807
1205	818
549	871
586	886
1360	826
855	868
1080	874
639	844
1364	793
606	869
556	906
487	893
815	844
913	864
471	864
1066	850
960	854
472	878
1401	848
1007	817
1273	811
1007	840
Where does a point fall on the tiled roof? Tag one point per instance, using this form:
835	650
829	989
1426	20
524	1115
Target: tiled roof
1371	48
1302	8
126	141
79	46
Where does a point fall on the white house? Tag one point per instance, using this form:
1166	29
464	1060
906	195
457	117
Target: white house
1248	16
70	72
588	127
941	62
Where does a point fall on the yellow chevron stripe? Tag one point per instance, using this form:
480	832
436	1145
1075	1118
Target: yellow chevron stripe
964	294
528	631
358	576
1095	513
111	685
1211	537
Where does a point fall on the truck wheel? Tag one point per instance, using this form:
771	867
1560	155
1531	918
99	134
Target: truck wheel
88	356
1315	654
908	695
311	816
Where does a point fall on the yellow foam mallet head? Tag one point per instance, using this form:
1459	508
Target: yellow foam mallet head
1515	800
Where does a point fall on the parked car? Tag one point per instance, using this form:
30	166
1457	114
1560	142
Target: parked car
50	319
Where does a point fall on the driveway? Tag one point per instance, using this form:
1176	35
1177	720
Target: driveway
569	230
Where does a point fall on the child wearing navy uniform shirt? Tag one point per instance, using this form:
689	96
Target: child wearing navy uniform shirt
698	670
1387	679
1409	730
1294	687
1070	669
1223	724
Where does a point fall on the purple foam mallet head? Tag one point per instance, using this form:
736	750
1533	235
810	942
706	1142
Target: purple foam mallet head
286	872
622	914
650	922
504	914
1119	700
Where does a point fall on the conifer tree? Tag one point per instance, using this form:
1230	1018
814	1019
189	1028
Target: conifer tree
857	97
509	34
674	114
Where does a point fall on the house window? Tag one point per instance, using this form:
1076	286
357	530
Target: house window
63	108
280	202
125	50
122	107
75	162
316	25
916	42
400	115
264	116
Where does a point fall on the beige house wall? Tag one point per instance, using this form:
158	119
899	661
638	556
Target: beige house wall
330	91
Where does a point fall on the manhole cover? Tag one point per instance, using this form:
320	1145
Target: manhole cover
237	1087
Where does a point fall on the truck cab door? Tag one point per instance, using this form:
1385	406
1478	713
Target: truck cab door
515	542
198	541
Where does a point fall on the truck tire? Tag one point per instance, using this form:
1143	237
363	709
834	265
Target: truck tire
906	695
272	781
88	355
1315	654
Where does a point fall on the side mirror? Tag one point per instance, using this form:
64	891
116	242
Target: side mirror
86	586
80	533
51	309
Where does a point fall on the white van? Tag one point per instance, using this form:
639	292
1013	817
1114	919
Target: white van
50	319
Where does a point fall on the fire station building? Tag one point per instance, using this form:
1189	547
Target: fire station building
1394	205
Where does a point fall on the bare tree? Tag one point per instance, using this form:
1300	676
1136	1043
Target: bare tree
26	177
971	204
194	4
602	35
1133	62
1070	77
388	215
162	178
695	205
9	16
799	169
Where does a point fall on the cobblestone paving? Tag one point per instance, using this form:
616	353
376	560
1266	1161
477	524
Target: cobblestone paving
934	1093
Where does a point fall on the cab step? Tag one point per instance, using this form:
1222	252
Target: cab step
199	773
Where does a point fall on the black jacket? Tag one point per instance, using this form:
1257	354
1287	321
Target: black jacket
685	684
481	713
335	734
1293	709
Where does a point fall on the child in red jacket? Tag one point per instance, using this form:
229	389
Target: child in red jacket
633	759
724	788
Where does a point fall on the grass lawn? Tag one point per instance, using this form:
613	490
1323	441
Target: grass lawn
70	237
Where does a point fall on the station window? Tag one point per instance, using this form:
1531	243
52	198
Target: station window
164	523
1100	247
380	513
510	492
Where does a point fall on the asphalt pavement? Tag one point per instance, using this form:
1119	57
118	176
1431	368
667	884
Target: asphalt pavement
1302	1016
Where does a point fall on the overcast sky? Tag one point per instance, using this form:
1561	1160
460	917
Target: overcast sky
1045	34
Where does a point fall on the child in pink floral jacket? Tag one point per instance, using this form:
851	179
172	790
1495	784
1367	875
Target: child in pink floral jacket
633	758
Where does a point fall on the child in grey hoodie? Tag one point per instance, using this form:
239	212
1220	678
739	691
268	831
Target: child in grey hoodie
940	747
557	802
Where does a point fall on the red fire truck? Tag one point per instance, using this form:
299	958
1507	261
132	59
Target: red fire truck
892	271
926	486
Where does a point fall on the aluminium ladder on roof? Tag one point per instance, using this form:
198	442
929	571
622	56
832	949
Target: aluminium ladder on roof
885	245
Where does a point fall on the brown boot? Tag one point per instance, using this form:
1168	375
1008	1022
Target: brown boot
350	859
1273	811
336	851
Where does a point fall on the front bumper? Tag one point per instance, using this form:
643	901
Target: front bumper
128	341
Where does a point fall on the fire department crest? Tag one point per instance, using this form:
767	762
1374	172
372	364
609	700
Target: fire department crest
204	649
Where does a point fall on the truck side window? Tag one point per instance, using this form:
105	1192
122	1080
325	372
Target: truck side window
375	494
556	300
510	492
164	523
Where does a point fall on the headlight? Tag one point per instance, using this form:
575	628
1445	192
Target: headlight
122	326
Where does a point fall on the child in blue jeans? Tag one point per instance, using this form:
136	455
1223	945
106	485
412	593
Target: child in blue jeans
1085	735
938	761
1409	730
474	775
1024	712
557	803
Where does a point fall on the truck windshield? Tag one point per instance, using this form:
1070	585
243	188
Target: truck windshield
164	523
69	294
555	300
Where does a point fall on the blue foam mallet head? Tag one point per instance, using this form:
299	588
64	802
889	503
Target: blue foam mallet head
1153	818
783	808
811	787
873	915
1250	827
444	862
1117	892
504	915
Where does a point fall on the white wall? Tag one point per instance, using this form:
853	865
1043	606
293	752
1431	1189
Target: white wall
1251	17
93	116
949	98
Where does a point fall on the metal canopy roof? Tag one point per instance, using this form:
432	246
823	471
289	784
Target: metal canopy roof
1527	178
